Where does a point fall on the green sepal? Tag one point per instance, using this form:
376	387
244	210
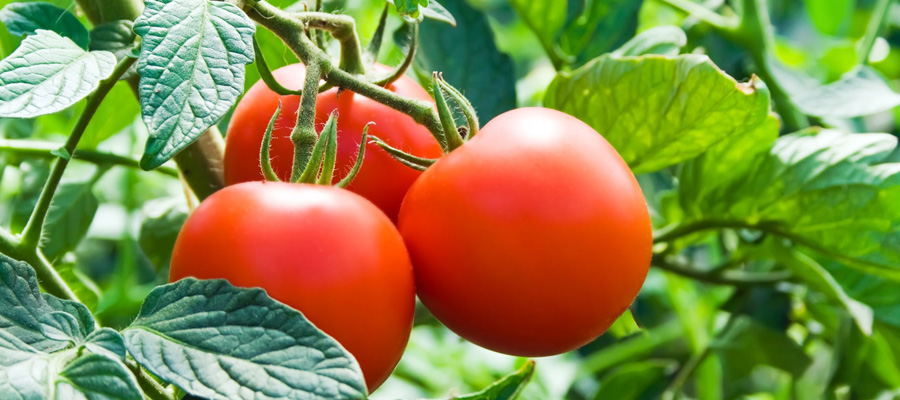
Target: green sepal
264	161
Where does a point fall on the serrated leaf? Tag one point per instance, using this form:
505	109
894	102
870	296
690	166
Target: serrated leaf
658	111
97	377
38	338
192	64
507	388
71	211
475	67
159	231
826	189
859	92
27	18
662	40
48	73
236	334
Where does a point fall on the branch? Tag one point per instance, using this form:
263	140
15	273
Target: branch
42	149
733	278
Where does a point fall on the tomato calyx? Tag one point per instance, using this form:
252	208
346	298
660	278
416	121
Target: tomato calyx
452	136
319	168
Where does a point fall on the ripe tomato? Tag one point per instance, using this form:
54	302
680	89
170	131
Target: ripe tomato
322	250
382	180
530	239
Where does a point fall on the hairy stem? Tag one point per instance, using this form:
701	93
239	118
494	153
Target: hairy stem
151	388
42	149
31	235
304	134
343	28
289	29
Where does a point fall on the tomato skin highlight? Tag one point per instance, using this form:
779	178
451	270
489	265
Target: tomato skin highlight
531	238
382	180
322	250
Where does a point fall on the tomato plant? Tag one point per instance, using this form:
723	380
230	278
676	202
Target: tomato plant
530	239
727	144
321	250
382	180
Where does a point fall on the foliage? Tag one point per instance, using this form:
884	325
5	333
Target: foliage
763	134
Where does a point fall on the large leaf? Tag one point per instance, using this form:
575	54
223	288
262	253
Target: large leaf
27	18
71	212
578	31
824	189
39	340
48	73
664	40
859	92
216	341
469	60
659	111
192	70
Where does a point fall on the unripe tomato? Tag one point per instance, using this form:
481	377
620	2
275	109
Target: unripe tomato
322	250
530	239
382	180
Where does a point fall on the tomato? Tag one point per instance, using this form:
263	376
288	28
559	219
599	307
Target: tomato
530	239
322	250
382	180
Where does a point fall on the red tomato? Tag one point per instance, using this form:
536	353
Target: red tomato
322	250
382	180
530	239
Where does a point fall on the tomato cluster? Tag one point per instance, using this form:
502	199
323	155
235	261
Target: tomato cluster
530	239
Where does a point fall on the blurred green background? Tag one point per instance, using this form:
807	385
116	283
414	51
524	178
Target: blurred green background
811	351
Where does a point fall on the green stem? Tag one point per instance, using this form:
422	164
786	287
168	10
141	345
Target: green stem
49	279
288	29
31	235
874	28
151	388
398	72
343	28
677	231
304	134
731	278
42	149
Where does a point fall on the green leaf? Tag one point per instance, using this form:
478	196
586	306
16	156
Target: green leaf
71	212
409	8
575	32
634	381
469	60
437	12
97	377
23	309
39	335
27	18
823	189
859	92
602	27
106	342
819	279
49	73
625	325
193	57
117	37
747	344
507	388
664	40
659	111
159	231
235	334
